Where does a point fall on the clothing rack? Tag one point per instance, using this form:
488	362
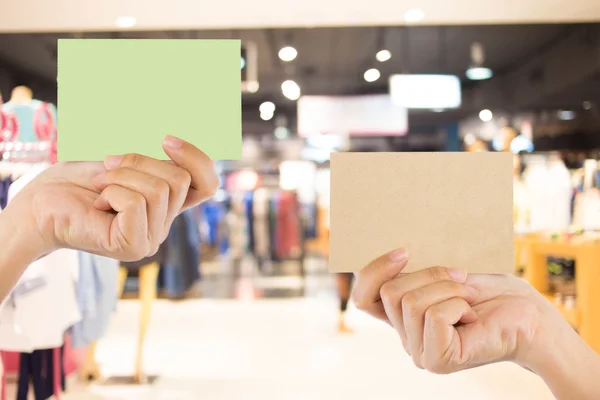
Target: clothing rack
15	153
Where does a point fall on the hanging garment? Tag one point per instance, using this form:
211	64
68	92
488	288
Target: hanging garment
261	223
288	228
40	318
4	186
181	264
2	378
41	369
549	190
224	234
213	214
273	227
97	295
310	218
248	209
237	234
23	328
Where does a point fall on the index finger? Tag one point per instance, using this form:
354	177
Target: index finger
204	182
366	293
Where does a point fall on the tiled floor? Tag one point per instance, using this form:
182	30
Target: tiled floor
276	349
282	349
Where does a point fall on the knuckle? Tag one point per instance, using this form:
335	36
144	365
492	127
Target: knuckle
160	192
161	186
416	357
153	249
410	301
132	160
182	179
437	367
136	200
438	273
388	292
434	315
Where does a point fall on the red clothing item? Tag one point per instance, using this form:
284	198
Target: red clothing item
288	229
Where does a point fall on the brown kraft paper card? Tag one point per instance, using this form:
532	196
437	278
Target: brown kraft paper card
448	209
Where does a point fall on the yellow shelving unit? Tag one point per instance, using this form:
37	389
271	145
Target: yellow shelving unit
585	316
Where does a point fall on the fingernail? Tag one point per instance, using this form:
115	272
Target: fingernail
112	162
459	275
172	142
398	255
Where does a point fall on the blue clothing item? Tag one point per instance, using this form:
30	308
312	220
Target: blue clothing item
213	213
181	266
97	295
310	216
4	186
249	209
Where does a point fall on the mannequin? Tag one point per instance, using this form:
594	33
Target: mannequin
148	270
25	108
21	95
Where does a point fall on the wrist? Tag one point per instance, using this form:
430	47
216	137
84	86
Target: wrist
19	229
563	360
19	248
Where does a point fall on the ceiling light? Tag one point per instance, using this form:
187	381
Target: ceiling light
288	53
126	22
266	116
587	105
371	75
486	115
383	55
566	115
479	73
267	107
252	86
414	15
291	90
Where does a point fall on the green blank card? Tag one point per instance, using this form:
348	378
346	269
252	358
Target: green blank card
119	96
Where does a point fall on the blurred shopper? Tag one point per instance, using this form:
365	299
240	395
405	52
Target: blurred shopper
450	322
344	288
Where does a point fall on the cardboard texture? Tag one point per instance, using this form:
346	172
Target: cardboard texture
448	209
118	96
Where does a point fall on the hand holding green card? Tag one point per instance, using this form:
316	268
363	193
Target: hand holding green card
118	96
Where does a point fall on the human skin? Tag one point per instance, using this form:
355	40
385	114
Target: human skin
449	321
122	208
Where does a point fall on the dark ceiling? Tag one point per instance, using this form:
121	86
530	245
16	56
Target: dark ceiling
536	67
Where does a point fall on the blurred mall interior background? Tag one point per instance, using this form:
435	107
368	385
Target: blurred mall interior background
247	310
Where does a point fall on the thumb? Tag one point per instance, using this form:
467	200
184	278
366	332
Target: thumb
370	280
204	180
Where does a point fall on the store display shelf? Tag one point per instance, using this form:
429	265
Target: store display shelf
570	314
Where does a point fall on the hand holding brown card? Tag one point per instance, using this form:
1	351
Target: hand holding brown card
450	209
